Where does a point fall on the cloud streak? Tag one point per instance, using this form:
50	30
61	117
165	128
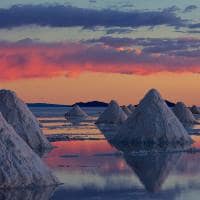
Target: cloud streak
68	16
31	59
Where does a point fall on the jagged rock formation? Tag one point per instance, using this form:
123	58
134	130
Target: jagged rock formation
112	115
76	112
17	114
153	169
131	107
184	114
126	110
195	110
19	166
152	122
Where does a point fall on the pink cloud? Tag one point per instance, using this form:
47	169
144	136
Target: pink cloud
28	59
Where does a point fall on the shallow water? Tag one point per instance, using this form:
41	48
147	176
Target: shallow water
94	169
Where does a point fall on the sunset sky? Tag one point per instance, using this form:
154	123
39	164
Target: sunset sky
82	50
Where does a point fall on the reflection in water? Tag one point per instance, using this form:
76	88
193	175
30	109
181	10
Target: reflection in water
152	169
27	194
90	177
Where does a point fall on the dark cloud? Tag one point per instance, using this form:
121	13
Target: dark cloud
197	25
118	30
67	16
190	8
165	46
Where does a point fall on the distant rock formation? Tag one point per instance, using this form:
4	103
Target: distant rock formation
184	114
112	115
19	166
17	114
152	122
126	110
76	112
92	104
195	110
131	107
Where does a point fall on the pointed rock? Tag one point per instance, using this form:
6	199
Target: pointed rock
112	115
17	114
152	122
131	107
20	167
76	112
184	114
126	110
195	110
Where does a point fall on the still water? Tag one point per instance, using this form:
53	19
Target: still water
91	168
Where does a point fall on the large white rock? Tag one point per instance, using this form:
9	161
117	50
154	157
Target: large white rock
184	114
19	165
17	114
131	107
112	115
76	112
195	110
152	122
126	110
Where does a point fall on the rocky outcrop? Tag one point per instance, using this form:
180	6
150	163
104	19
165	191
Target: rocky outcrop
20	167
152	122
17	114
112	115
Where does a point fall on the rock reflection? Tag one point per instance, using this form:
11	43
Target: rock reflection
27	194
152	170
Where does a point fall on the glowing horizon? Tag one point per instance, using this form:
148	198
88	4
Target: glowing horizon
88	50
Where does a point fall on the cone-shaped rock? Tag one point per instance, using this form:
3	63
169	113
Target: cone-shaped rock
131	107
17	114
76	112
20	166
195	110
184	114
126	110
152	122
112	115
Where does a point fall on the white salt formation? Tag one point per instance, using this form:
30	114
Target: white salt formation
152	122
131	107
126	110
19	165
17	114
76	112
112	115
184	114
195	110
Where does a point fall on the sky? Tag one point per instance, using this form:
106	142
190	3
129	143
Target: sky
83	50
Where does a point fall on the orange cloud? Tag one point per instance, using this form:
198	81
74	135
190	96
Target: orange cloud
28	59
